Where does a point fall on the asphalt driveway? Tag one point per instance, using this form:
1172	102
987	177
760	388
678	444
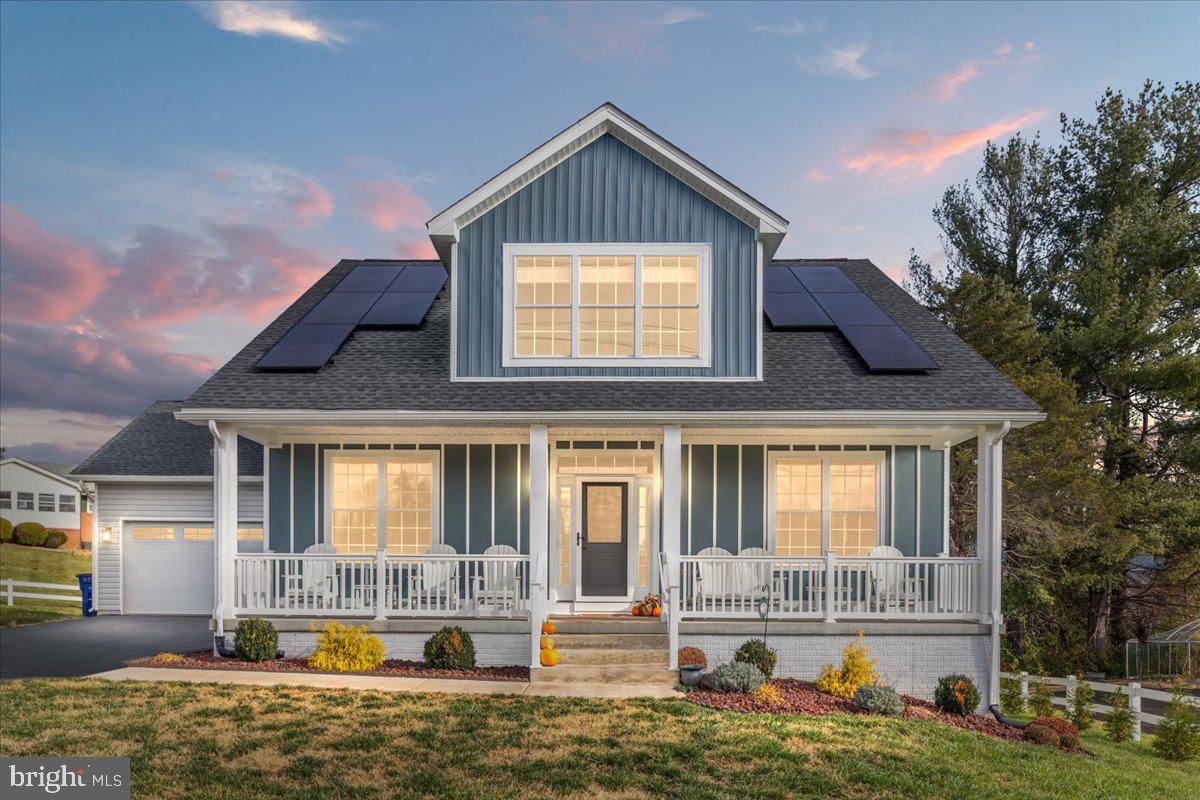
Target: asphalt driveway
87	645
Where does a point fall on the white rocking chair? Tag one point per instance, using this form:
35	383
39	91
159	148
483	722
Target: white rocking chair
891	586
433	585
498	584
713	578
317	584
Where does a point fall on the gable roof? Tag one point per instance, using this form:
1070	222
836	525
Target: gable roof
155	444
44	470
444	227
803	370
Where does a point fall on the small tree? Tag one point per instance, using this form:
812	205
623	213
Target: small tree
1178	735
1041	699
1011	700
1081	705
1118	725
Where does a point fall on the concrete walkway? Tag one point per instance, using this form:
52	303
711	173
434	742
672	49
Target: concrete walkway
383	683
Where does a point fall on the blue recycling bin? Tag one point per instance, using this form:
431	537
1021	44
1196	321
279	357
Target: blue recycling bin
85	593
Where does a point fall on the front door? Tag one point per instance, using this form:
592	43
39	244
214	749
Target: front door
604	538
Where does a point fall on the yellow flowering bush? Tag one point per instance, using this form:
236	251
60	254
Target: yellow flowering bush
346	648
857	669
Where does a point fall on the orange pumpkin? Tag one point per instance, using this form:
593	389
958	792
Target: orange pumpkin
657	612
548	628
547	643
549	658
637	611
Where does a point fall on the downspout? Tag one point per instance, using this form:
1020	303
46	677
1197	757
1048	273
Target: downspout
218	615
997	476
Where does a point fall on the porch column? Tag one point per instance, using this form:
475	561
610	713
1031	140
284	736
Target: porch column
225	516
990	481
539	537
671	469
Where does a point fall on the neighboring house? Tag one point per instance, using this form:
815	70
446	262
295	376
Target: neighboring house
617	392
37	492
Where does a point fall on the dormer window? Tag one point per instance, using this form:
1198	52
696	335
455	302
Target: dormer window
606	305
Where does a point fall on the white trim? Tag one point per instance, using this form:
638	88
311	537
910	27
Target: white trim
892	497
292	497
382	457
453	310
917	508
164	478
509	359
759	278
74	484
631	483
946	499
266	499
825	457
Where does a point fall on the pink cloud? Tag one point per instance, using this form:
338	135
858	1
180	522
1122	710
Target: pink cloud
416	247
1004	49
899	154
269	273
308	200
946	85
605	31
818	175
47	278
390	203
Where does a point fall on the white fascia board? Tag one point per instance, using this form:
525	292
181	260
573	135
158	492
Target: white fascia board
163	478
893	417
770	225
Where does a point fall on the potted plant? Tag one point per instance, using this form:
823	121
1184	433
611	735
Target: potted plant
692	663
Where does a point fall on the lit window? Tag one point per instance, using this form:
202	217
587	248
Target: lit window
147	534
45	502
606	305
383	502
197	534
803	486
66	502
5	499
25	501
564	536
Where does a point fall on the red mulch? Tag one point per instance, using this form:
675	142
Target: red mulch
802	697
391	667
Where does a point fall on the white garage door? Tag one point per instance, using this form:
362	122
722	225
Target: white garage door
169	565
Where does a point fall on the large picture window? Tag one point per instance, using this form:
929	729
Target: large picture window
606	305
382	501
823	503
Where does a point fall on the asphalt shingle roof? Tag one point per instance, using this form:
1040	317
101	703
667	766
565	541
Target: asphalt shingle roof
157	444
802	370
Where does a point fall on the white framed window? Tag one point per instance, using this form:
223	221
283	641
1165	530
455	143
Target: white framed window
148	533
66	502
6	499
825	501
45	502
25	501
250	534
607	305
382	500
197	534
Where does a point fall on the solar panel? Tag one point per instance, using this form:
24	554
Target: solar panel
419	279
372	278
846	308
795	310
342	307
306	346
399	309
825	279
780	279
886	348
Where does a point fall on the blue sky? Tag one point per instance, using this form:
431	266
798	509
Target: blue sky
173	174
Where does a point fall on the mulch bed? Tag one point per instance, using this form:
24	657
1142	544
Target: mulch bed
802	697
391	668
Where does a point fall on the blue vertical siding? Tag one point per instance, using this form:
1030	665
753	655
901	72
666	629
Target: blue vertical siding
904	536
606	192
754	473
523	535
479	461
728	511
454	490
506	494
930	541
304	496
702	497
280	512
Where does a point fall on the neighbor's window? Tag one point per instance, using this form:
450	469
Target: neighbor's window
25	501
66	502
825	503
45	502
384	501
5	499
606	305
148	534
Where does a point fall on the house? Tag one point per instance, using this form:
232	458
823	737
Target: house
37	492
605	386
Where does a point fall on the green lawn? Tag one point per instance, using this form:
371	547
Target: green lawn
202	741
44	566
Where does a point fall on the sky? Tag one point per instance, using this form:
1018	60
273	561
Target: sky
173	175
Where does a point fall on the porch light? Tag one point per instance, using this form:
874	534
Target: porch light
106	535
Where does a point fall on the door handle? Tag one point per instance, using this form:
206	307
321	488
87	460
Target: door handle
579	539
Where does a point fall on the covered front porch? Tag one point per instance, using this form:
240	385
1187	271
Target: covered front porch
814	522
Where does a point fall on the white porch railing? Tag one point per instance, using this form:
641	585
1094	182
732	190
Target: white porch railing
830	588
381	585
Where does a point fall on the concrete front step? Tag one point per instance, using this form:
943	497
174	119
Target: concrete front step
608	656
613	625
625	674
610	641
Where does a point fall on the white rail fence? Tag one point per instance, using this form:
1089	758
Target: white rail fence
11	585
1135	692
831	588
381	585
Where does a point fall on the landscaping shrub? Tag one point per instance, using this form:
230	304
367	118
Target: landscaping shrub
1041	734
1068	734
168	658
879	700
345	648
857	670
767	694
756	652
1177	737
692	655
1011	701
54	540
736	676
6	530
255	640
30	534
1118	724
956	694
1081	705
450	648
1041	699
